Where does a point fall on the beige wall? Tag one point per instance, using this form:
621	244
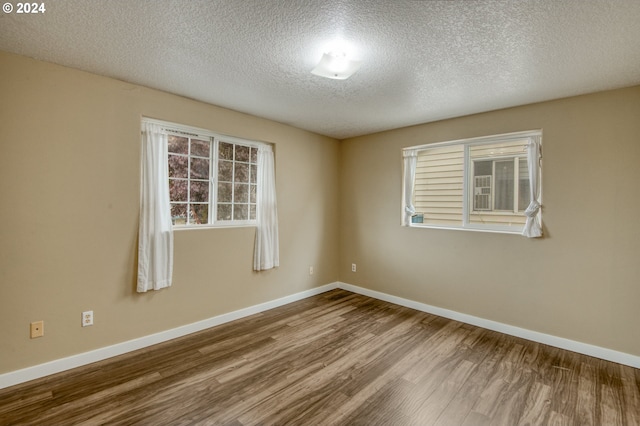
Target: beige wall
581	282
69	185
69	188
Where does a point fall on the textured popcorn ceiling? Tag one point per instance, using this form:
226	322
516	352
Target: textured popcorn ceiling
421	60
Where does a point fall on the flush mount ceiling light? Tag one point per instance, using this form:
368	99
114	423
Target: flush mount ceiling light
336	65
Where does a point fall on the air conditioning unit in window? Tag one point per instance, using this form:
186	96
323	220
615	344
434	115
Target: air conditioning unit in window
482	193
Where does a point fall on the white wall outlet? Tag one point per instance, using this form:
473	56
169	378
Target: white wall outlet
310	270
87	318
353	267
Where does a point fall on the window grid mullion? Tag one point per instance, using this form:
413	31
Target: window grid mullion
189	181
466	184
248	202
213	165
516	183
233	184
494	187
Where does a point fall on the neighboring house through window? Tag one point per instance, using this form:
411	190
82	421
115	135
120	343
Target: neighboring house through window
481	183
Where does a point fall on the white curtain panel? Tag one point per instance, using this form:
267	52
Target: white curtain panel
266	254
155	234
410	159
532	227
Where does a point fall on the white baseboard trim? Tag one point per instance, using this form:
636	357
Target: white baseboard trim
547	339
56	366
30	373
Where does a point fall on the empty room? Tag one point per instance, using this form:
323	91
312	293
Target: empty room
245	212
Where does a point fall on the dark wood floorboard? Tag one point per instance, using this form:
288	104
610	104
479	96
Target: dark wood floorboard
335	359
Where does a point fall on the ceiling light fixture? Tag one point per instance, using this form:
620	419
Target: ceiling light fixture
336	65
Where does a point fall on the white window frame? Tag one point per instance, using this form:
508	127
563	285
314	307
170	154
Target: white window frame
214	140
468	182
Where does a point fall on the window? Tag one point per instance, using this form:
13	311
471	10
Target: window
482	183
194	178
212	179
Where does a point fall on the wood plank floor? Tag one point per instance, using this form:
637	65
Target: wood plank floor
335	359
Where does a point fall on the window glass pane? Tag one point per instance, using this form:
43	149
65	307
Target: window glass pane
225	171
225	192
254	155
199	148
482	183
482	168
503	197
199	168
224	211
254	173
252	212
179	214
240	212
225	151
241	173
252	193
178	190
524	197
199	191
439	185
178	166
199	214
498	149
241	194
242	153
178	144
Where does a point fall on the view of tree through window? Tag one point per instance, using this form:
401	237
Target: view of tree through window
237	179
211	181
189	177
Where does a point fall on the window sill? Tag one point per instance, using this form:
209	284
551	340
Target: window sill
473	229
196	227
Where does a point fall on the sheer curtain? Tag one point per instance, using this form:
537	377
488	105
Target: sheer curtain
410	159
532	228
266	254
155	234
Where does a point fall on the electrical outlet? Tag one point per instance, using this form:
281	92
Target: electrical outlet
310	270
87	318
37	329
353	267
